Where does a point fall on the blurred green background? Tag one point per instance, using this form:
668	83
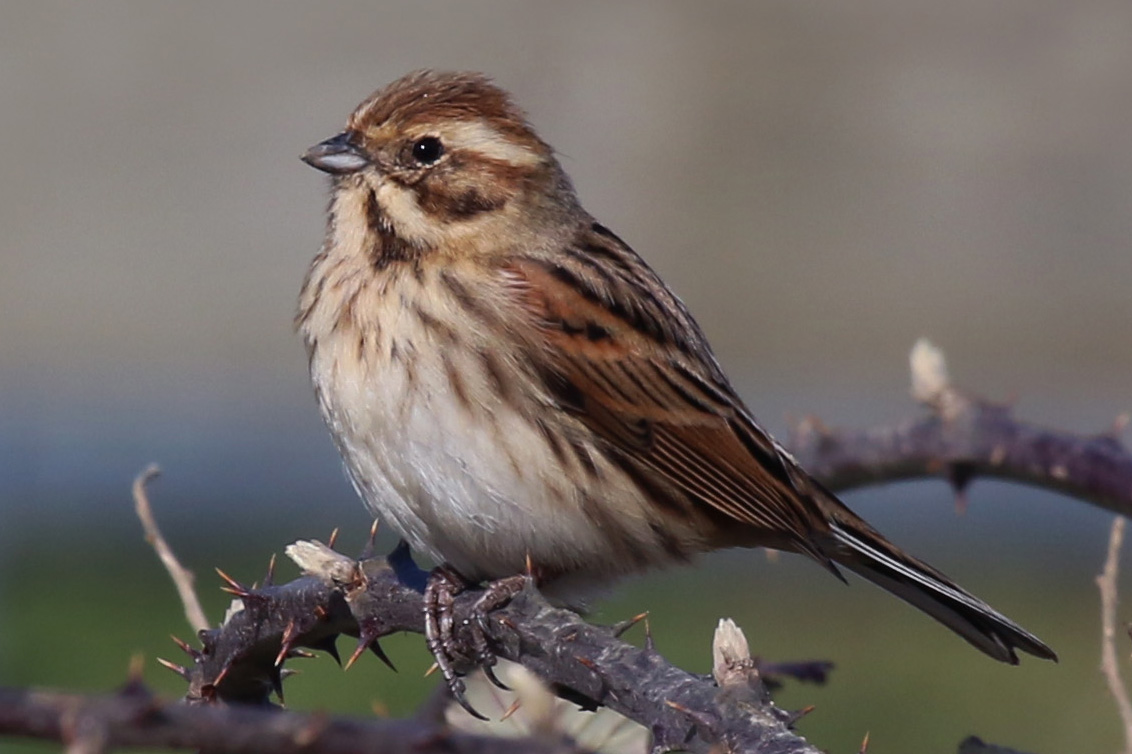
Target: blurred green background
821	182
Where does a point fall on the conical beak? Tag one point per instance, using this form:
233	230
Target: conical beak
337	156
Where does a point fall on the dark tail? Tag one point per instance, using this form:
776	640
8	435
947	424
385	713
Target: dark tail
858	547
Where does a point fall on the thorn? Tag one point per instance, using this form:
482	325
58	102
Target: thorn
178	669
269	577
330	646
287	642
864	744
650	643
515	705
797	715
321	612
431	670
333	538
375	647
530	567
288	672
190	651
277	686
135	670
697	717
367	551
620	628
379	708
235	592
587	663
234	587
222	674
362	643
300	654
677	706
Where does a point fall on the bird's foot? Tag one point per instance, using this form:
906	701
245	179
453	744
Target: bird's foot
444	584
496	594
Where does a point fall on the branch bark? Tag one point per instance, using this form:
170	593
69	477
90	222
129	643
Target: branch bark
134	718
963	437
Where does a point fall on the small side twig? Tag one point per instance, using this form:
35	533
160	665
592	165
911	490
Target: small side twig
1106	583
182	577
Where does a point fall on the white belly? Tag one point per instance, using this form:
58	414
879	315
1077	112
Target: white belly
466	480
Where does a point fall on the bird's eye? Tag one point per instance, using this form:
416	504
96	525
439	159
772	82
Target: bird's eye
427	150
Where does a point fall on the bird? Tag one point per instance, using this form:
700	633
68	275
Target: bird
512	386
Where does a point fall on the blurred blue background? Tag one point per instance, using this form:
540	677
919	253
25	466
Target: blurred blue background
822	183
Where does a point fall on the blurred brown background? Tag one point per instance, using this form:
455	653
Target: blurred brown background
821	182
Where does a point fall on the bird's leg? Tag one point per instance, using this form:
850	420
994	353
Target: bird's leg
496	594
439	596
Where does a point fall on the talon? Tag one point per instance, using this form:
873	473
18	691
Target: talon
456	688
489	673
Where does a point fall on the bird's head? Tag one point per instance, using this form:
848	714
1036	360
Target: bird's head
441	159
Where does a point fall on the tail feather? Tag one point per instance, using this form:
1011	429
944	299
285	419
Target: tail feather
865	552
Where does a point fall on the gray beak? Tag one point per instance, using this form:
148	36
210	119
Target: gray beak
337	156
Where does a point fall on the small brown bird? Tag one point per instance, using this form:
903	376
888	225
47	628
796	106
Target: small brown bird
506	379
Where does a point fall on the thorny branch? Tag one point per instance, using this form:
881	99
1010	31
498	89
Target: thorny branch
960	438
134	718
589	664
963	437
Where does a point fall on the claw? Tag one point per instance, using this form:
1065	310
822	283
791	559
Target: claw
456	687
439	596
489	673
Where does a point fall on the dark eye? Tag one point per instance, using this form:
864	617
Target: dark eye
427	150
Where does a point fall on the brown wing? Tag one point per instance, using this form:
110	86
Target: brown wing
624	355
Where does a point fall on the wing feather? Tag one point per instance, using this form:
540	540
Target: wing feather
631	364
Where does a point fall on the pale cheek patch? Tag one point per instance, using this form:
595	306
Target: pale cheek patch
410	222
